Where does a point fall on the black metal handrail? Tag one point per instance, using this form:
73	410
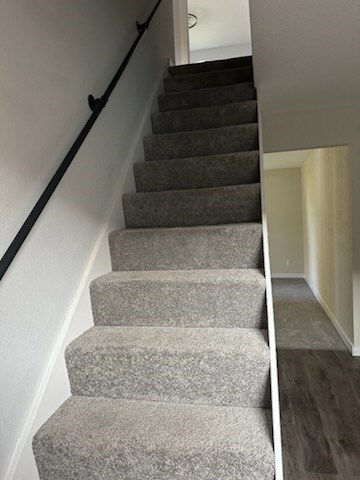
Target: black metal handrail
96	105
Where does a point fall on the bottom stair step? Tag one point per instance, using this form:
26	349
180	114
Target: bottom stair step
106	439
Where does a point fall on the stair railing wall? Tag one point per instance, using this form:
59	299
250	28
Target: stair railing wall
274	381
96	105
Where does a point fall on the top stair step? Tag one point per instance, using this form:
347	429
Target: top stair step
217	78
210	66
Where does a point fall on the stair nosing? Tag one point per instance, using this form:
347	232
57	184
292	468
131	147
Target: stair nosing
189	159
236	274
195	227
220	71
210	62
182	92
207	107
202	189
193	132
81	343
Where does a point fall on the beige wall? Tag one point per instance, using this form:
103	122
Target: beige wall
284	214
327	231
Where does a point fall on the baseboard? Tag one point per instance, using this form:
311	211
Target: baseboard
287	275
24	442
354	350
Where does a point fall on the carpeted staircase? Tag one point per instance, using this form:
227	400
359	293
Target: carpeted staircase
172	383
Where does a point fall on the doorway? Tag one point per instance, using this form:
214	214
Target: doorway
219	30
308	208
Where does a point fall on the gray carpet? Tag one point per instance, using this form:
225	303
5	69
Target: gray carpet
172	382
127	440
197	206
301	322
201	142
211	366
205	117
188	248
180	298
216	78
207	97
198	172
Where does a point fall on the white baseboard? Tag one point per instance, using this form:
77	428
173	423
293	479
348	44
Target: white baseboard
287	275
354	350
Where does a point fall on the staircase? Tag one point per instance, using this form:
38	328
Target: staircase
172	383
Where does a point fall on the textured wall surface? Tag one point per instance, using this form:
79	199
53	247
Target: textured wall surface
306	53
327	231
283	198
53	54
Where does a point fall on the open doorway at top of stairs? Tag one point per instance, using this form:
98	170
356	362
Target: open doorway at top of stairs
219	30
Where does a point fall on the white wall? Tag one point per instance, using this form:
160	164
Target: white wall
283	196
53	55
220	24
306	53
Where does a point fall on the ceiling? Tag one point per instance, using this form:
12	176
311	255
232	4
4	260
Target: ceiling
220	23
293	159
306	53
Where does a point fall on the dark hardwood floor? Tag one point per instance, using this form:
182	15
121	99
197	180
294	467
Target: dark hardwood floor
320	410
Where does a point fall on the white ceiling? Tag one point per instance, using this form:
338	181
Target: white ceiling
221	23
294	159
306	53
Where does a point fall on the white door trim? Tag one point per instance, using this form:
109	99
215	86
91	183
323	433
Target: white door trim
181	32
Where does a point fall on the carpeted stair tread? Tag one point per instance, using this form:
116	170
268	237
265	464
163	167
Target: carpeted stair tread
205	117
213	141
180	298
203	206
188	248
217	78
217	366
210	66
206	97
199	172
106	439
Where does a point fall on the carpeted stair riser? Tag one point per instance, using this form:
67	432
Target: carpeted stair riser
214	366
210	66
217	78
205	117
204	206
207	97
214	141
199	172
103	439
188	248
181	298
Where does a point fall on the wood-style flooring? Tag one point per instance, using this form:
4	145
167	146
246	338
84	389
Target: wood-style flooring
319	392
